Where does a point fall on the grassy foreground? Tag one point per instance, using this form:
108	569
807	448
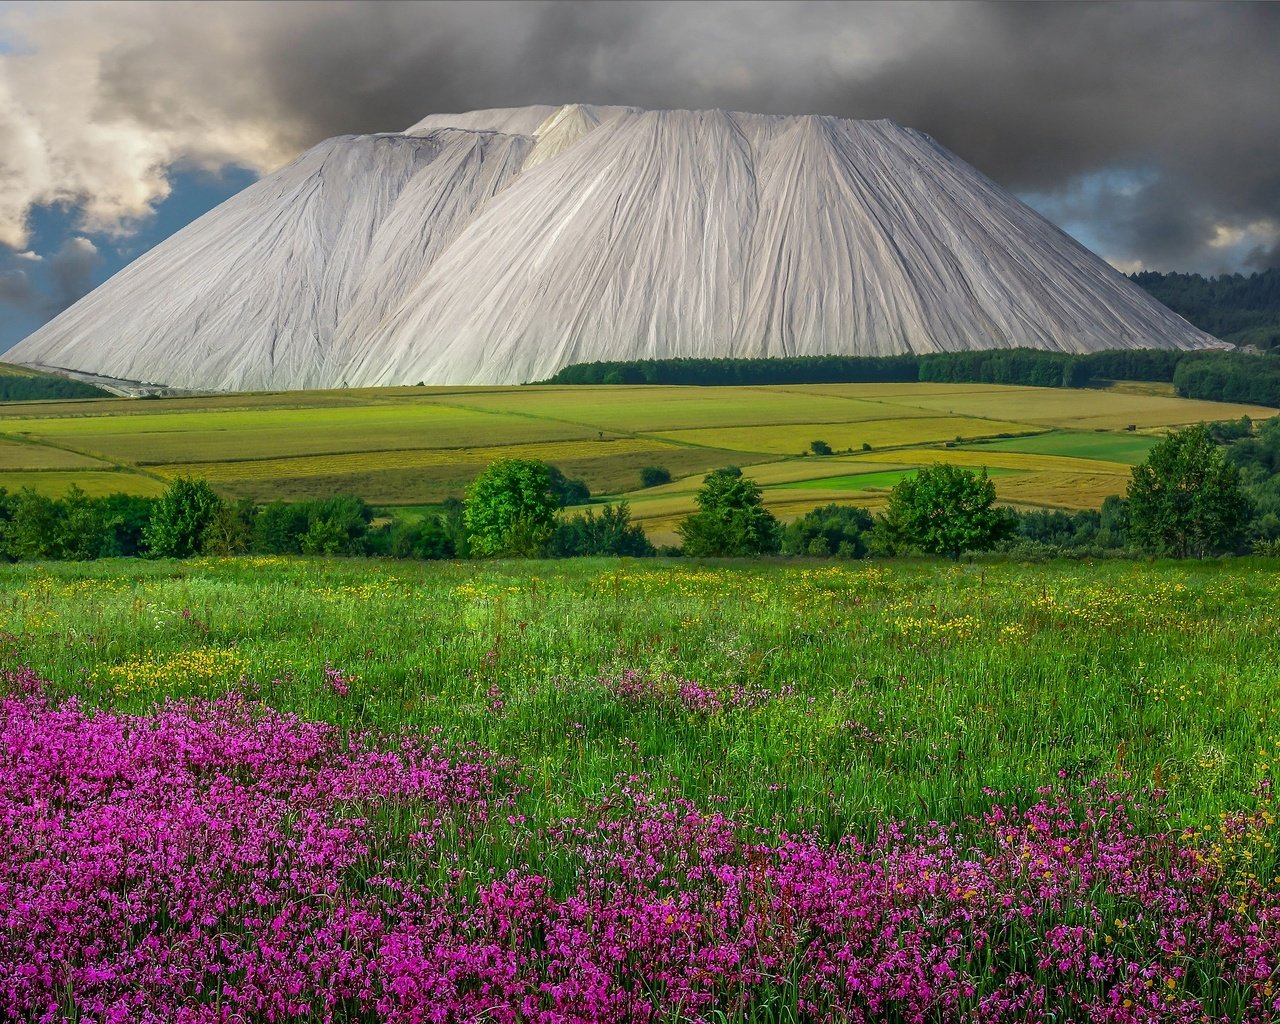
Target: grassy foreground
266	789
842	695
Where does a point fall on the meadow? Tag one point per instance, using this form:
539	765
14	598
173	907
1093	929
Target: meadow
615	791
410	447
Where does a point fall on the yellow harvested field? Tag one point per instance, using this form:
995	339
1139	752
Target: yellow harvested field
327	465
1059	490
793	439
1142	387
657	410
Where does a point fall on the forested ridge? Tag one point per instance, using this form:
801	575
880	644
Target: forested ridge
1239	309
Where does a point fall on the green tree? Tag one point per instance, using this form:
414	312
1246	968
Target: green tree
345	529
230	529
324	536
511	509
278	529
1186	499
181	518
125	518
32	532
819	447
81	530
568	492
945	510
6	523
424	538
731	519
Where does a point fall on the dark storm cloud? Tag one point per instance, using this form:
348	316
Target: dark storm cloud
17	291
1039	96
71	271
65	277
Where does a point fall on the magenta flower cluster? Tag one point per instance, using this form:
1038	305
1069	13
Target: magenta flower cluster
641	688
219	861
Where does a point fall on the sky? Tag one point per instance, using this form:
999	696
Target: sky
1150	130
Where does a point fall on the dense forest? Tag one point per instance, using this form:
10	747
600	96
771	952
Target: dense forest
796	370
1219	376
1241	310
19	385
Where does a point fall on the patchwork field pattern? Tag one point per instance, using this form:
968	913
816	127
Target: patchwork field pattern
416	446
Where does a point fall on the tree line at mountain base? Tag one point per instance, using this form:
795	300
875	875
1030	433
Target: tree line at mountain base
1210	375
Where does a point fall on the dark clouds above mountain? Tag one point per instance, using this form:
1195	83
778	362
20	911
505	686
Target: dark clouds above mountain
53	284
1151	130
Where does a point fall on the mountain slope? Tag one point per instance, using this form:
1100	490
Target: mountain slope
499	246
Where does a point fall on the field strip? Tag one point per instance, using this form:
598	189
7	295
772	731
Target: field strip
326	465
539	417
99	459
97	483
1059	490
33	456
649	410
977	458
792	439
867	480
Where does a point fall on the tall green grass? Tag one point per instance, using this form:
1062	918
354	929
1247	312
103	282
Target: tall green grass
852	693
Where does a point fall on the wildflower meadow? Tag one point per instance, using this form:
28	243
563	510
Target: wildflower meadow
343	790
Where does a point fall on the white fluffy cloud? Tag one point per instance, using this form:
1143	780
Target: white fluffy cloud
67	139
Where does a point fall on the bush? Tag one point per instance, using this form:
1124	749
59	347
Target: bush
33	530
428	538
278	529
231	529
124	519
654	476
568	492
80	533
819	447
330	526
833	530
610	533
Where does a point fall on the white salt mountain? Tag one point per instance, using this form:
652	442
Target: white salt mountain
498	246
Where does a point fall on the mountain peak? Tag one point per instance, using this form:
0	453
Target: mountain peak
497	246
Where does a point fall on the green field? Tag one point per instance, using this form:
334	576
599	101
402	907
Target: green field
416	446
1129	449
